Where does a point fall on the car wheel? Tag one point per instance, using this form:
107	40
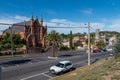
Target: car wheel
52	71
61	73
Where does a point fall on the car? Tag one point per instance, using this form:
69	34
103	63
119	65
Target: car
61	67
95	50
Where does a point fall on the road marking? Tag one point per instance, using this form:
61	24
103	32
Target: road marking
3	67
37	75
47	75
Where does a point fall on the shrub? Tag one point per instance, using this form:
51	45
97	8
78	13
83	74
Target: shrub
117	55
62	47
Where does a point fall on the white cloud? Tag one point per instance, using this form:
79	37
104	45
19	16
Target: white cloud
87	11
50	12
59	21
67	23
22	18
97	25
10	20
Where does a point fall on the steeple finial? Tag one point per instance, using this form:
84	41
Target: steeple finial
36	17
41	19
32	16
25	22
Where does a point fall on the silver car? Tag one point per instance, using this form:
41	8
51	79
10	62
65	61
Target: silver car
61	67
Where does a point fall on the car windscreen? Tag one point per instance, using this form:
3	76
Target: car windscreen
60	65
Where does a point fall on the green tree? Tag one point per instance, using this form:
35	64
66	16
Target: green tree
54	39
91	40
100	44
76	44
71	40
116	46
16	39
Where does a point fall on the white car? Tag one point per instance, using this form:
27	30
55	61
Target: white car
61	67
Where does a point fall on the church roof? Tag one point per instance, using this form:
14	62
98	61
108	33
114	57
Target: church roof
18	27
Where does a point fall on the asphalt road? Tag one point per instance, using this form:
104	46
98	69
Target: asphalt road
37	67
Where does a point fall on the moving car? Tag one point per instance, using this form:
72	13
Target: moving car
61	67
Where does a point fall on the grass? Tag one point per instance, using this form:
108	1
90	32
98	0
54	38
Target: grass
116	76
92	72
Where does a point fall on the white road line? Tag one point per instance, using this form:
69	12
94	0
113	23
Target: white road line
35	75
3	67
47	75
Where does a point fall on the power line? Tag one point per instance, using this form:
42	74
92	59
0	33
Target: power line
48	26
66	27
11	24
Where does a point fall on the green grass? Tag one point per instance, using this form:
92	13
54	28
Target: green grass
92	72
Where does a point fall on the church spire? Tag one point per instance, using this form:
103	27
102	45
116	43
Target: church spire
41	19
32	16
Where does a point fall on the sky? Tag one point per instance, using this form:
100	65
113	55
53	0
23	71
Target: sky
102	14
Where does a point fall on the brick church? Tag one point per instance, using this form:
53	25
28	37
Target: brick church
32	32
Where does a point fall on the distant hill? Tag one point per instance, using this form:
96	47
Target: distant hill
109	33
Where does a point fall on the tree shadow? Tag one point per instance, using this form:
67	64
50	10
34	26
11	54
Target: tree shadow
65	55
14	62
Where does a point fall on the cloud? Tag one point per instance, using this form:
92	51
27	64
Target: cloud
107	25
48	11
97	25
21	18
86	11
115	25
59	21
10	20
67	23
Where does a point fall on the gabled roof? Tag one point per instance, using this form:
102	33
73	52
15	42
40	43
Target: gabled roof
18	27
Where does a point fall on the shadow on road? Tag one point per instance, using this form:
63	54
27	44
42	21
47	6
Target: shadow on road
65	55
14	62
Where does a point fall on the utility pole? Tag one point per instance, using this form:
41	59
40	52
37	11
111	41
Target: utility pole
0	73
89	50
11	42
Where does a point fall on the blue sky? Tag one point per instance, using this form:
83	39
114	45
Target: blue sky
103	14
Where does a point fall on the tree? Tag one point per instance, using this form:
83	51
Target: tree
54	39
116	46
78	43
71	40
91	41
100	44
16	38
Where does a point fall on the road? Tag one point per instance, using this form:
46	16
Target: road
37	67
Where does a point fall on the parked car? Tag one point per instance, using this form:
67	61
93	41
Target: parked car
104	49
109	49
95	50
61	67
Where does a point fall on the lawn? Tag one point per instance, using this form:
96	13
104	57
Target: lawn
106	69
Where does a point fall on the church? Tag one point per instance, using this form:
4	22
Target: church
32	32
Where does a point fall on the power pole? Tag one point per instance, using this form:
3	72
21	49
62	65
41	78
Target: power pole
11	42
89	47
0	73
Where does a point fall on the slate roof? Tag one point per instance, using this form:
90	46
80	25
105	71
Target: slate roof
18	27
